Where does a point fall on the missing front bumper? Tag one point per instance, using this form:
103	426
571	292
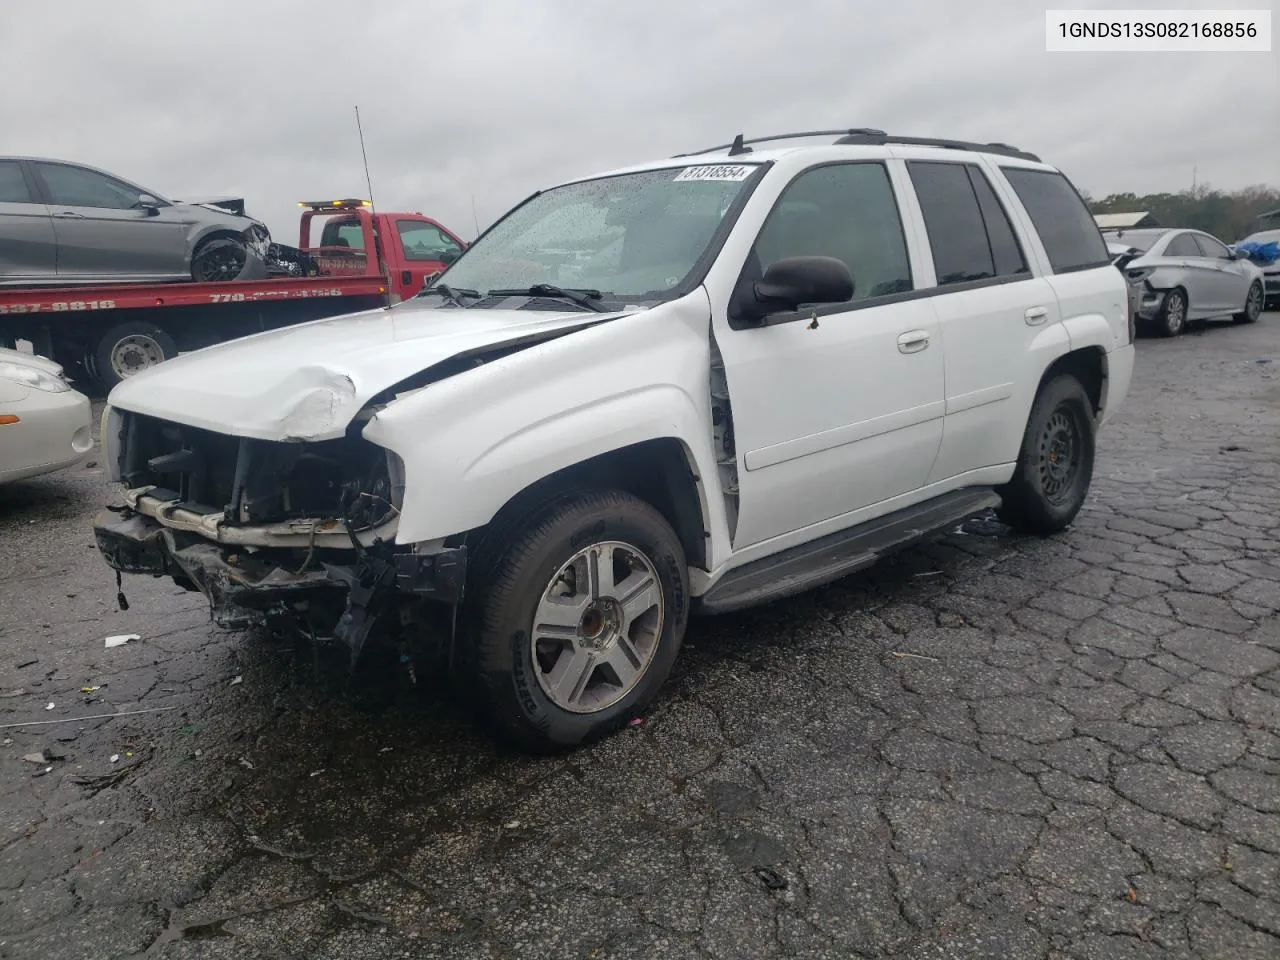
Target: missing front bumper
253	589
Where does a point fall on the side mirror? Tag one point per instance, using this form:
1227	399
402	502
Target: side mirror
788	283
149	203
449	256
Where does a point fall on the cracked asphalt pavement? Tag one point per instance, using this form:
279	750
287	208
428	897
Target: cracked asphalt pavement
989	747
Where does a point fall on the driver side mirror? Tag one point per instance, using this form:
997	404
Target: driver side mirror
791	282
449	256
149	204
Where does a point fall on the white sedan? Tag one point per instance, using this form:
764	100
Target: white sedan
44	424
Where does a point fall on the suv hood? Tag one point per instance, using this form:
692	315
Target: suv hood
308	382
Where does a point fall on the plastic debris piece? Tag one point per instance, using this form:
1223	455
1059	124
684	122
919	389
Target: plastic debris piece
771	878
386	749
635	721
90	689
235	680
246	763
120	640
50	706
115	758
316	773
513	825
35	758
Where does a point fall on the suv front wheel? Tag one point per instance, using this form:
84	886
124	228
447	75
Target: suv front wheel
580	620
1055	464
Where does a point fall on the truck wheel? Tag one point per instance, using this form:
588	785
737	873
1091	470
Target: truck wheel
1252	305
580	620
221	258
1055	464
129	348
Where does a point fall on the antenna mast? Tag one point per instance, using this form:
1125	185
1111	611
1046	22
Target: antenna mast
368	180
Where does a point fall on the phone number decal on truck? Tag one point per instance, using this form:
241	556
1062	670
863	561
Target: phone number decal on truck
57	306
272	295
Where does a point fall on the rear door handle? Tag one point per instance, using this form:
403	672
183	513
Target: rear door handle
72	214
913	341
1035	315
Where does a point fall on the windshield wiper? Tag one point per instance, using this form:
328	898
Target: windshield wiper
583	298
450	294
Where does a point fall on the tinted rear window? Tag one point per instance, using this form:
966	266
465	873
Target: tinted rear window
13	189
1068	231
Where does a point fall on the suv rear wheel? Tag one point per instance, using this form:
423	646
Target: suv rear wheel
1055	464
580	620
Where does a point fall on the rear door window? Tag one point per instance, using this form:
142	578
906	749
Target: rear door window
1183	245
1068	231
969	232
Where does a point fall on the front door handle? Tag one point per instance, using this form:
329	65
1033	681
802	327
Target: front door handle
72	214
1035	315
913	341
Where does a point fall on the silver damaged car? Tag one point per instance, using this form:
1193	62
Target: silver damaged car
69	223
1187	275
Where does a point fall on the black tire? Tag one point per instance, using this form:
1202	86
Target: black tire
505	596
1253	305
1042	498
221	258
1171	321
129	348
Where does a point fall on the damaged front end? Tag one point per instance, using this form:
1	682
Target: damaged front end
273	533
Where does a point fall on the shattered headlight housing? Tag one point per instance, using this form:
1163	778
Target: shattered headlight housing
32	377
259	240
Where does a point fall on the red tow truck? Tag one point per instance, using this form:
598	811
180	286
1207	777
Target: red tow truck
101	334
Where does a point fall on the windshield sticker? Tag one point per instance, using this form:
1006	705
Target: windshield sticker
722	171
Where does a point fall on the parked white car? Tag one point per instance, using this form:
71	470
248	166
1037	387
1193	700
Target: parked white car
44	424
777	364
1188	275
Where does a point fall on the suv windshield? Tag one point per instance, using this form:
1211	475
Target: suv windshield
631	237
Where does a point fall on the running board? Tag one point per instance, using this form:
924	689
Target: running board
839	554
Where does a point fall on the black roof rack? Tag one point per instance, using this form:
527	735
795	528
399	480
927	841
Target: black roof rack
863	136
740	146
880	139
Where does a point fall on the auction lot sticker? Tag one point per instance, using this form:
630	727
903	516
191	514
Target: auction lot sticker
719	171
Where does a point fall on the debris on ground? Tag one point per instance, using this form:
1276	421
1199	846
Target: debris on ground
90	689
115	758
27	663
635	721
914	656
771	878
235	680
35	758
121	639
51	705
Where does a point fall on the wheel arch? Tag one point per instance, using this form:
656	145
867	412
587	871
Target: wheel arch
1089	366
661	472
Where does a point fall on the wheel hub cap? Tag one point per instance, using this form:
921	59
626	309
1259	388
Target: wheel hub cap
596	628
1059	452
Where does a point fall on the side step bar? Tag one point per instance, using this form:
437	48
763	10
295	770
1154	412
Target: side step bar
839	554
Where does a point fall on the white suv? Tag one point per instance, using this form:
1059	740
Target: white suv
694	384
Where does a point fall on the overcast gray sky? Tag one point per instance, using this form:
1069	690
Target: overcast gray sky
495	98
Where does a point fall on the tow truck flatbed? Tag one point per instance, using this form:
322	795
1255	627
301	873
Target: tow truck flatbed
102	333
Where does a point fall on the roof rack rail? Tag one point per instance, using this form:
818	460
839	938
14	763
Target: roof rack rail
741	146
878	138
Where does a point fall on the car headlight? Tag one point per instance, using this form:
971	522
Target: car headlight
32	377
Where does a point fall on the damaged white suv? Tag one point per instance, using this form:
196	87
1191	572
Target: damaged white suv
695	384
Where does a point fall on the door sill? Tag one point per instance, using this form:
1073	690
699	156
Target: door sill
818	562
